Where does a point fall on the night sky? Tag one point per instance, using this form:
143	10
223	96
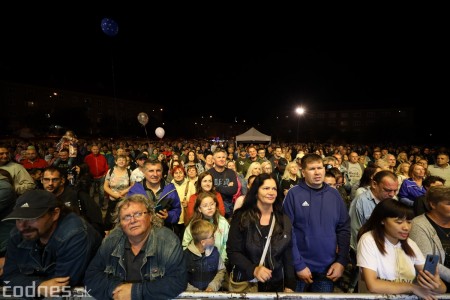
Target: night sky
230	64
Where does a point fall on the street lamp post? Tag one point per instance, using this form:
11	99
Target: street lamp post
299	111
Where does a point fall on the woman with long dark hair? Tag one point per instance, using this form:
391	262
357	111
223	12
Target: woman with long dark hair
249	230
388	259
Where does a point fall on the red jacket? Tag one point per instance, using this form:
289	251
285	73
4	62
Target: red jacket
98	166
39	163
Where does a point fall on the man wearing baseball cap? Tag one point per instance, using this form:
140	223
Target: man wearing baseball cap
50	248
138	174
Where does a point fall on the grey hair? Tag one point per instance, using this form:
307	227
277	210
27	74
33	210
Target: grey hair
137	198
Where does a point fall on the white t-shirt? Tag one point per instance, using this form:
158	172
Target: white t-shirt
137	175
395	265
354	172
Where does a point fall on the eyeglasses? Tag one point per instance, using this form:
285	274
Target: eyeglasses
208	205
211	237
47	180
137	215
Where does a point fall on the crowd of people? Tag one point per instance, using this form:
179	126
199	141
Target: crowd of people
139	219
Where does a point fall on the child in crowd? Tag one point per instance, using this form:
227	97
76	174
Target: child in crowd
68	141
206	270
205	183
205	208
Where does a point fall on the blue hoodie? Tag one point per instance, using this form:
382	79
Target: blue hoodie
321	226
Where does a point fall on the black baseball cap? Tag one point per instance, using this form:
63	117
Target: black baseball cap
32	204
282	162
142	156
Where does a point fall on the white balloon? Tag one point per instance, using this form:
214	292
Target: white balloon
160	132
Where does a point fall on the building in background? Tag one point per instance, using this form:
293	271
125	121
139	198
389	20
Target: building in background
34	110
47	111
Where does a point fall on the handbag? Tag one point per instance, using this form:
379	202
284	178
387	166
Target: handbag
242	286
252	285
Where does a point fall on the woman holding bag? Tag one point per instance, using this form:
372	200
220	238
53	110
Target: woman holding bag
248	254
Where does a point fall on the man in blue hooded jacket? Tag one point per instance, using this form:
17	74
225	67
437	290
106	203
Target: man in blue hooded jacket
162	194
321	225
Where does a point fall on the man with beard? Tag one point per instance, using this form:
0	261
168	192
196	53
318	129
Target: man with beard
54	182
79	201
50	248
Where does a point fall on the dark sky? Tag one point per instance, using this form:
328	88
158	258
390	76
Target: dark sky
237	61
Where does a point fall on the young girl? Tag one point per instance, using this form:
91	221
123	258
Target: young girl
205	183
206	208
70	142
388	259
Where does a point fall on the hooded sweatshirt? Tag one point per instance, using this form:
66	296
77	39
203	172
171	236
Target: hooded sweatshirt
321	227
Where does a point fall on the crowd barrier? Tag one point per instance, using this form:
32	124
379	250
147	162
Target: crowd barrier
80	294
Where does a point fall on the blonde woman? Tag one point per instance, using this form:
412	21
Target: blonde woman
402	172
253	169
266	167
412	187
402	157
287	153
290	177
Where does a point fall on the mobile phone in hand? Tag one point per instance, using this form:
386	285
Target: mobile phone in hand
158	208
431	262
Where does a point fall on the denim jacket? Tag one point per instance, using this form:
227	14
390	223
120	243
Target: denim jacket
67	253
163	271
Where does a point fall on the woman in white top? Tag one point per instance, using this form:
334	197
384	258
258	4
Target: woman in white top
388	259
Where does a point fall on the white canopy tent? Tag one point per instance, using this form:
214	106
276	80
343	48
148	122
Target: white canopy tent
253	135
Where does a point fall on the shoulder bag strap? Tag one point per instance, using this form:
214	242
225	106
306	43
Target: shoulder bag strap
266	247
186	190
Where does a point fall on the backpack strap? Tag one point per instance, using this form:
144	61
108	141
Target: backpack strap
129	175
128	172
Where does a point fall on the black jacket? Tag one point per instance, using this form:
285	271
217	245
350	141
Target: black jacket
245	248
